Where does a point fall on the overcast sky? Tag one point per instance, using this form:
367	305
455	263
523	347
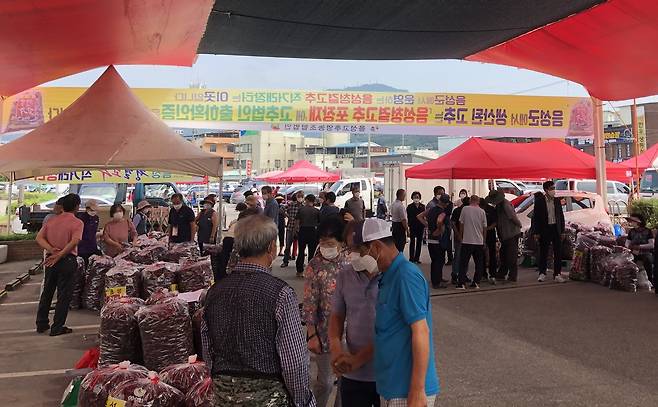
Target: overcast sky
217	71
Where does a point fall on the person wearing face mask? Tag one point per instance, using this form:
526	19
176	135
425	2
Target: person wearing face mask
641	242
141	218
88	245
547	227
309	219
329	208
319	285
355	206
207	222
439	191
416	227
252	343
462	194
353	314
118	232
405	370
271	206
399	218
182	226
292	225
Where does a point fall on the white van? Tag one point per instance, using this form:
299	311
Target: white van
343	190
618	192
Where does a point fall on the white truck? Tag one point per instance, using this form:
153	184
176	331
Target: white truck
343	190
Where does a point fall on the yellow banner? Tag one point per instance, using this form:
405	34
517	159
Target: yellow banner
127	176
356	112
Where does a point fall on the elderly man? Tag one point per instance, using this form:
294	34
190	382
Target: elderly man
404	350
252	334
271	205
355	206
508	227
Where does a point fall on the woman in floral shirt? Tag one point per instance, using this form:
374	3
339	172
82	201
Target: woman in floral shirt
319	286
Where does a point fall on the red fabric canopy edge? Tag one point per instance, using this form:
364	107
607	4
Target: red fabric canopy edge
485	159
610	49
303	171
644	160
42	40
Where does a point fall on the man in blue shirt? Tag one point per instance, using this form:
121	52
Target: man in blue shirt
405	371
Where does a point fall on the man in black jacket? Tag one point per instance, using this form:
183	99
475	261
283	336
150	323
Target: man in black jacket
548	227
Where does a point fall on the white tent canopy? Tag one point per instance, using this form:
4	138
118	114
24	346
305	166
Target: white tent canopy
106	128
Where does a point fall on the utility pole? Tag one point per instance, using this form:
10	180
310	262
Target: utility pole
369	152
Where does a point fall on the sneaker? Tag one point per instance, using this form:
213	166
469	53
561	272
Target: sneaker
492	281
62	331
474	285
460	287
43	329
284	264
560	279
300	275
542	278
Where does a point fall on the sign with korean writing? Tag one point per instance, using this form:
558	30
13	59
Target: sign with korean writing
642	129
129	176
333	111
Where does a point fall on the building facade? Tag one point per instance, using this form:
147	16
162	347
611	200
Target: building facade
222	144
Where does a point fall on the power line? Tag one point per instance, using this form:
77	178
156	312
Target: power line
541	87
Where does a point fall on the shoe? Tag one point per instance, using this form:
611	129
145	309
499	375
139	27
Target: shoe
62	331
542	278
560	279
292	257
511	280
300	275
439	286
474	285
43	329
284	264
460	287
453	281
492	281
280	254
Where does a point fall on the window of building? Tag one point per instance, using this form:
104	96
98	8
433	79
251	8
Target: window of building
290	163
230	148
243	163
277	164
229	163
245	148
213	148
293	148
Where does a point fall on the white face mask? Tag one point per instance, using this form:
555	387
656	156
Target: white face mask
118	215
329	253
416	200
438	197
177	206
462	196
91	212
357	195
207	206
365	263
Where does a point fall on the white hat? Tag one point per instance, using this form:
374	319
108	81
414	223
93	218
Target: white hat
375	229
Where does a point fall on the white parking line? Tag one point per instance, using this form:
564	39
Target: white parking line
27	331
26	284
4	304
31	374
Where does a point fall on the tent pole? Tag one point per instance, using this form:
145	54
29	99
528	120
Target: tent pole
599	150
369	169
10	190
636	142
222	221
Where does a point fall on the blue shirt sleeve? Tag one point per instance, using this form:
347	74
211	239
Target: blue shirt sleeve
414	296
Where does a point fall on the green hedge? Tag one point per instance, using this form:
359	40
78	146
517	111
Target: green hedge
648	208
14	236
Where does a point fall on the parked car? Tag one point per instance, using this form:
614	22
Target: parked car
49	205
305	188
618	192
581	207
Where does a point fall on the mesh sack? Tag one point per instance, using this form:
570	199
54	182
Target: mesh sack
160	295
179	250
146	392
603	228
166	333
96	385
623	274
123	280
201	395
197	319
93	291
608	241
119	332
185	375
145	241
78	285
149	254
194	274
581	266
158	275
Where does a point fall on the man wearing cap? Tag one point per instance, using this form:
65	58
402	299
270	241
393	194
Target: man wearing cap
547	228
508	227
404	351
207	222
141	218
355	205
641	242
88	245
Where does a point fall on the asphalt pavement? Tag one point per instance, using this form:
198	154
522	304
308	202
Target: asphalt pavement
532	344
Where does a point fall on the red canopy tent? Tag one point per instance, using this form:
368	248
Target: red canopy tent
303	171
269	174
483	159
